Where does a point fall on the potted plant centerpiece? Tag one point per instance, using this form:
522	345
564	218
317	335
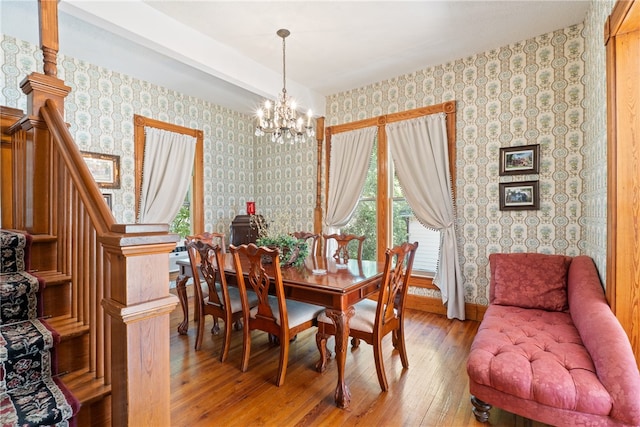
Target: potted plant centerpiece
276	234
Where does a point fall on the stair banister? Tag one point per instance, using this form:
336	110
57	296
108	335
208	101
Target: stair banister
134	269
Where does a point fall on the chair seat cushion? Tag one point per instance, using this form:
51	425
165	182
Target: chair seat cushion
536	355
363	319
234	298
297	312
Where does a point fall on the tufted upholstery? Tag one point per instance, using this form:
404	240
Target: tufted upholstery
573	367
537	355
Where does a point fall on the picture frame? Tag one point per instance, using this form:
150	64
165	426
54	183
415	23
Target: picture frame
519	196
107	199
105	168
520	160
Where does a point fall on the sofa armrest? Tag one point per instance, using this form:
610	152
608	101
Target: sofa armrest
604	339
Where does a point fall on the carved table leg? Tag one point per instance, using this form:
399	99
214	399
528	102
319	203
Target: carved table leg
341	322
480	409
181	289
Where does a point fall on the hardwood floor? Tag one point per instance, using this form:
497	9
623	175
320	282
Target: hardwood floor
432	392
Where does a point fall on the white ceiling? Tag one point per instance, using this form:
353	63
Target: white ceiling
228	52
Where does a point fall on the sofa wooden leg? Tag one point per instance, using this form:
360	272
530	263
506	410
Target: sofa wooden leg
480	409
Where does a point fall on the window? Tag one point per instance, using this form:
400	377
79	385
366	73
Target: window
196	194
382	213
181	224
404	227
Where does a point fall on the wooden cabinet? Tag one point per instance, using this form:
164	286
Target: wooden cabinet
622	40
244	230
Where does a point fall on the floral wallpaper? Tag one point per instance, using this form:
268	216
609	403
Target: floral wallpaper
529	92
594	172
238	166
548	90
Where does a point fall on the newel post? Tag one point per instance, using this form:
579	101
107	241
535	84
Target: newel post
33	155
139	306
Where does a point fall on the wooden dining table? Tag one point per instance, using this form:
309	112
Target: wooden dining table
337	289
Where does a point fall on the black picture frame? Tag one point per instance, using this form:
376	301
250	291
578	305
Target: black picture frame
519	196
107	199
520	160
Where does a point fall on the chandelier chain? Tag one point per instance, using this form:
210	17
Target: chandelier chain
284	65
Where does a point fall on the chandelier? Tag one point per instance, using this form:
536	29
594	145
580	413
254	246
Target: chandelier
280	118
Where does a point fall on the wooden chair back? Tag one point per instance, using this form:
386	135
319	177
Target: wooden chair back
386	314
205	260
211	238
395	285
342	253
311	238
271	313
257	279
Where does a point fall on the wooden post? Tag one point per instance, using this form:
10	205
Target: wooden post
139	307
48	10
317	213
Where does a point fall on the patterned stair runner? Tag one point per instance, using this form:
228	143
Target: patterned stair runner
30	394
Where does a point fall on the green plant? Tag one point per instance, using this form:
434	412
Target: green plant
181	224
292	251
276	234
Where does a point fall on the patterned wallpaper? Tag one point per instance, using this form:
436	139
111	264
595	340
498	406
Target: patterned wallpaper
594	173
548	90
238	167
530	92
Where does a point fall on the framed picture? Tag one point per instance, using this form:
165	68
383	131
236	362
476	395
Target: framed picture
105	168
520	160
107	199
519	196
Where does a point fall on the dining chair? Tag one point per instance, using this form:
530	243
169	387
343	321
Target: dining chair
373	320
221	301
342	254
280	318
212	239
306	237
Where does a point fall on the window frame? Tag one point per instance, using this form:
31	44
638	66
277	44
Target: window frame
385	199
197	179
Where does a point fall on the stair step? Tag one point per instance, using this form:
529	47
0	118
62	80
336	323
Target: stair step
44	252
56	296
27	337
40	238
85	387
53	278
45	402
68	327
73	350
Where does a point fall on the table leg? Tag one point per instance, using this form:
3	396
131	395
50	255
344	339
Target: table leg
341	322
181	289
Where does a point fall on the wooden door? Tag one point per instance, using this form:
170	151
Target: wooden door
622	40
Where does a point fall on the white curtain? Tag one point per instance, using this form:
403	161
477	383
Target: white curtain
166	174
421	157
348	165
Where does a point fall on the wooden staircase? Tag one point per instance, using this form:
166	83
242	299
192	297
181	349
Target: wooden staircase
31	392
106	283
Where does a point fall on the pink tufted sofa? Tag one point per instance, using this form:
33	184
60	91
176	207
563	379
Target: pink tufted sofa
550	349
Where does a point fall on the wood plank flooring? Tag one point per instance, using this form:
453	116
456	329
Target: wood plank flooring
432	392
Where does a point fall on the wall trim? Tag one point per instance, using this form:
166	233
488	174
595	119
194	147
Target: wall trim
434	305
